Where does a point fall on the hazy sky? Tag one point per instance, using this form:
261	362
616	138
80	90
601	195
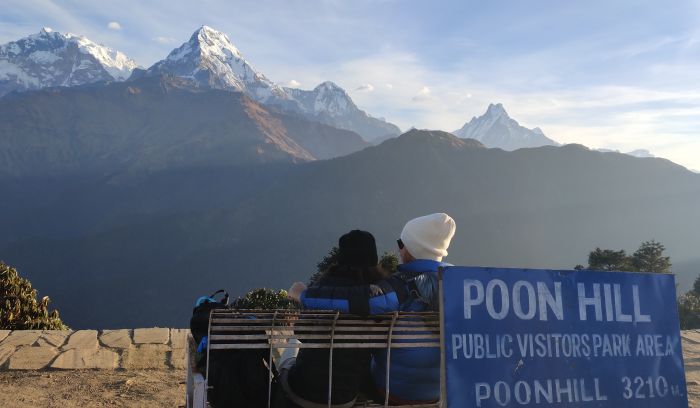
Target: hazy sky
616	74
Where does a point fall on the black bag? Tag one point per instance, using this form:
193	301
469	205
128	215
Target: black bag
237	378
199	323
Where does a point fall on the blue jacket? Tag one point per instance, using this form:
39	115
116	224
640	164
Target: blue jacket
415	373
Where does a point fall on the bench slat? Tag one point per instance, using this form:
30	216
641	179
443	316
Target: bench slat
362	345
221	337
320	322
326	329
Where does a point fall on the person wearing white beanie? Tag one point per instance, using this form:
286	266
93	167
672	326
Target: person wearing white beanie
427	237
415	373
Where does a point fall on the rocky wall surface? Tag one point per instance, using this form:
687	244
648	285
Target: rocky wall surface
154	348
147	348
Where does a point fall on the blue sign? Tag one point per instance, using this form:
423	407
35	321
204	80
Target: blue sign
541	338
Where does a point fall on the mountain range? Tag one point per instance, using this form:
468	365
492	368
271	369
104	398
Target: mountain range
153	124
50	58
129	196
208	59
137	248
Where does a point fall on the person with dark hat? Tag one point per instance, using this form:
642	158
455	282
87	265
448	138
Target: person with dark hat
305	378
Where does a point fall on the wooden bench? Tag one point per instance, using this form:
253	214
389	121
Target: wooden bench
272	330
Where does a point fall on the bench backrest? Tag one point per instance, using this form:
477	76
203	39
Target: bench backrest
250	329
265	329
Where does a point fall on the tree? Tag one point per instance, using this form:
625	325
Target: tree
19	308
389	263
609	260
650	258
696	286
329	260
689	311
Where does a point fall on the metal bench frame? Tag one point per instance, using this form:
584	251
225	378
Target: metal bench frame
316	329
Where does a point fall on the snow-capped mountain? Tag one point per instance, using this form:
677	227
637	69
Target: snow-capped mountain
496	129
50	58
211	59
330	104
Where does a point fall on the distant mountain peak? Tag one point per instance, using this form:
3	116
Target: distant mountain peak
328	86
215	41
50	58
212	60
639	153
330	104
207	43
497	111
495	128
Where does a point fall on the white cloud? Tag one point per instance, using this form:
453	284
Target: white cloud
423	95
389	86
164	40
365	87
293	84
113	25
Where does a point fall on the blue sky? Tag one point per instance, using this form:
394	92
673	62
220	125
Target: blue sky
623	75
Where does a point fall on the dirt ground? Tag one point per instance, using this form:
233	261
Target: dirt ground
92	388
151	389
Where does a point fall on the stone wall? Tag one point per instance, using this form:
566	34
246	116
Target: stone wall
149	348
152	348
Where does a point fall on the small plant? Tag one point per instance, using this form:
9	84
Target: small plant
19	308
389	262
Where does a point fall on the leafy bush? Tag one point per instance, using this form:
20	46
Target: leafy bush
19	308
265	299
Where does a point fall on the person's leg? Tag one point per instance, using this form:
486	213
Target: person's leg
285	353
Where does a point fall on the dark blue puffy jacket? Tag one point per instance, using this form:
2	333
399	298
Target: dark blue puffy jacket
415	372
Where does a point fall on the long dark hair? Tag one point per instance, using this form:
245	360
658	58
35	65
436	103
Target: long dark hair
363	275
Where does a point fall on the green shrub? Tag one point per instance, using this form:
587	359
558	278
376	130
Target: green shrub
265	299
19	308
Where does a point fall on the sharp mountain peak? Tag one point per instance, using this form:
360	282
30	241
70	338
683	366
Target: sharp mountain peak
495	128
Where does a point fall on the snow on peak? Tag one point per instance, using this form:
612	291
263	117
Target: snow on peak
497	111
326	98
215	42
328	86
50	58
210	58
496	129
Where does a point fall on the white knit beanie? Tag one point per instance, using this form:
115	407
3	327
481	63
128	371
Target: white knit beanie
428	237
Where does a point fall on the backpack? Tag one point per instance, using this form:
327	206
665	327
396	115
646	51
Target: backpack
199	322
237	378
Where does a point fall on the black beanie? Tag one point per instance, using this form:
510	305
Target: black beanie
357	248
